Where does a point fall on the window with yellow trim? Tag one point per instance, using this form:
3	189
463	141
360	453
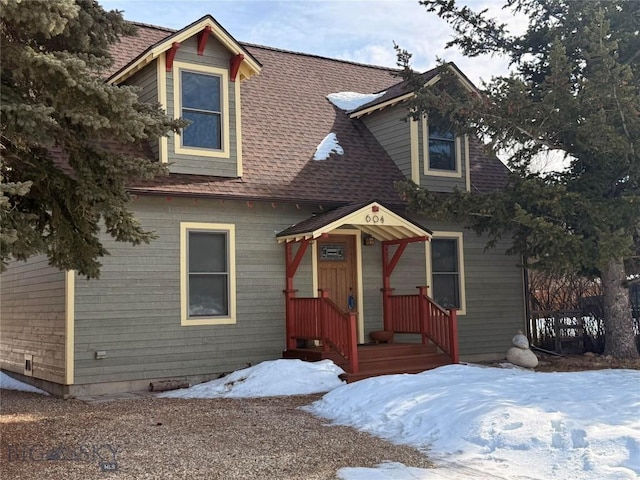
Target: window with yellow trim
208	273
202	106
442	149
447	271
201	96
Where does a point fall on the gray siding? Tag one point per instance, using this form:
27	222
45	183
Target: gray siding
493	285
147	80
391	128
372	283
217	56
133	311
437	183
32	318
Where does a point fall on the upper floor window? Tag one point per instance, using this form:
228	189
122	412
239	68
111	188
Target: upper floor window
442	149
201	104
201	95
445	153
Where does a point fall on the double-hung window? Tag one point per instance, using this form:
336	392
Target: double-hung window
201	105
446	272
442	149
201	96
208	273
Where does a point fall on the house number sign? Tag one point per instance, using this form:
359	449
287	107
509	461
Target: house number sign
374	219
332	252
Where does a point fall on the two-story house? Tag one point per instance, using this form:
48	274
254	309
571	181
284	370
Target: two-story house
279	229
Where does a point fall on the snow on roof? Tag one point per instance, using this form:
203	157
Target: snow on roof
349	101
327	146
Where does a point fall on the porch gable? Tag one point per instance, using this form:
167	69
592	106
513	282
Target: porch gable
372	218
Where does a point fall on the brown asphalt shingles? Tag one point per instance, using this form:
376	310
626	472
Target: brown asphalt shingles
285	115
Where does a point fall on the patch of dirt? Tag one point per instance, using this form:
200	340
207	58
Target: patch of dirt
48	438
576	363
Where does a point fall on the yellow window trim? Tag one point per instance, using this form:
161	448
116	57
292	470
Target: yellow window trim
69	326
178	67
314	267
228	228
163	148
459	236
467	164
238	130
457	173
415	153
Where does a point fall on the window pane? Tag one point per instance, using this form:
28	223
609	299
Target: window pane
207	252
442	154
444	255
204	130
441	135
446	290
208	295
201	92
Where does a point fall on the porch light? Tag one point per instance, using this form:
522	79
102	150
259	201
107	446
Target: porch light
368	240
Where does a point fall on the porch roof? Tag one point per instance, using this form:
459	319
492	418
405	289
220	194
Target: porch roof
371	217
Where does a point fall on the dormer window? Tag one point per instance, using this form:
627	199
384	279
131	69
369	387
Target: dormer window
202	106
442	149
201	95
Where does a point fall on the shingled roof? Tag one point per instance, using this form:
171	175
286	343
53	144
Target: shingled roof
285	115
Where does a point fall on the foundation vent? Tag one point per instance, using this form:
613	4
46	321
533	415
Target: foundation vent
28	365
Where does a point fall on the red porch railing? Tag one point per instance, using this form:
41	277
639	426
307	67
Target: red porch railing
420	314
321	319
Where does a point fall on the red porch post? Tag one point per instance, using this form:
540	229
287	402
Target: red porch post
453	335
388	265
386	289
422	291
292	264
324	294
353	342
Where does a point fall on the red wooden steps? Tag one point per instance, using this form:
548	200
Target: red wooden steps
379	359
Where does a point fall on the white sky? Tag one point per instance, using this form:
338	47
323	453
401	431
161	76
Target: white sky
361	31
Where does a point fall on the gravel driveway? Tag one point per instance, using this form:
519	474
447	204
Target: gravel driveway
266	439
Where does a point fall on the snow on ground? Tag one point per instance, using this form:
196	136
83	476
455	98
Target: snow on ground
10	383
349	101
268	379
476	422
328	145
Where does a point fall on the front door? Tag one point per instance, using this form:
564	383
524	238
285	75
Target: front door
337	270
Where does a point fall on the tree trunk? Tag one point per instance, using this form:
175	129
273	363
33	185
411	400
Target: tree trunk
619	336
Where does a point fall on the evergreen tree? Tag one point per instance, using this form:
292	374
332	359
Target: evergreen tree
575	89
55	104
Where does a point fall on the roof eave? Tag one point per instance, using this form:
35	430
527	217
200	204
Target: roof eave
407	96
371	222
250	66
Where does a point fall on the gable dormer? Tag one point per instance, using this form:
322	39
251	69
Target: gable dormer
430	156
195	74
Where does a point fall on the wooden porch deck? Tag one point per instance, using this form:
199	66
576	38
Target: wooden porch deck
379	359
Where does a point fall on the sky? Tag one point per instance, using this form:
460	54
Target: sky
359	31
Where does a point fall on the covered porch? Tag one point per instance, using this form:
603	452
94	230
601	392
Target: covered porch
331	324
